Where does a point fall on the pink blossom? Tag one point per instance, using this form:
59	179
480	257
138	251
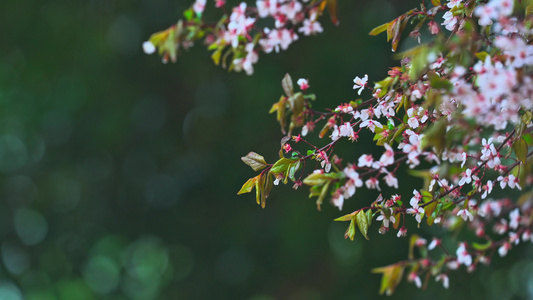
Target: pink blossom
372	183
310	27
462	255
391	181
365	161
402	232
371	124
386	220
449	21
387	158
303	83
465	214
360	83
434	243
417	211
413	277
199	6
466	177
514	218
454	3
504	249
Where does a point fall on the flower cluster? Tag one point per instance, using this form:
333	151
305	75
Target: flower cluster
458	111
236	35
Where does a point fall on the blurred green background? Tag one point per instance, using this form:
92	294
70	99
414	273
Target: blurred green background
119	174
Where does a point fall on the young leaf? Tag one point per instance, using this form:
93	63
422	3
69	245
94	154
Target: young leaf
369	217
347	217
282	165
255	161
286	84
249	185
379	29
350	232
362	223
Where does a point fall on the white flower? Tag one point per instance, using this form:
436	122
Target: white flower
148	47
462	255
504	249
365	161
445	280
360	83
466	215
434	243
514	218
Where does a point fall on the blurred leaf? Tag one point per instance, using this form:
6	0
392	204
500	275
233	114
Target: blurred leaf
322	195
520	149
435	136
435	2
428	210
333	11
482	55
216	56
392	275
482	247
286	84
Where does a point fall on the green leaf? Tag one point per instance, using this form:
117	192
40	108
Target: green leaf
316	179
435	2
347	217
369	217
350	232
435	136
188	14
286	84
255	161
322	195
249	185
362	223
293	168
438	82
520	149
282	165
528	138
482	55
482	247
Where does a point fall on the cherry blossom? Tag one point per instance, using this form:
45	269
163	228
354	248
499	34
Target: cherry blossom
463	257
360	83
